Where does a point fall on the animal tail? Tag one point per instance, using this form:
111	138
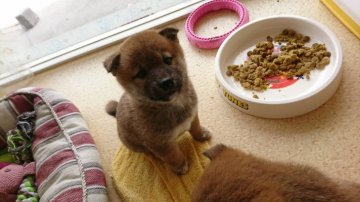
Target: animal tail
111	107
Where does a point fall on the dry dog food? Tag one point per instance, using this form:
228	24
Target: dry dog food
293	59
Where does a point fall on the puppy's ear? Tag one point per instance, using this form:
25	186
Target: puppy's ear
214	151
170	33
112	63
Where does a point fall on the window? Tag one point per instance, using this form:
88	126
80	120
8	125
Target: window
67	29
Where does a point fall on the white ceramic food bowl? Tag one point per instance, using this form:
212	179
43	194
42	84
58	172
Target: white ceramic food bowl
299	98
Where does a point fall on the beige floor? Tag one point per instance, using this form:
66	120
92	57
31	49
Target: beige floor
327	138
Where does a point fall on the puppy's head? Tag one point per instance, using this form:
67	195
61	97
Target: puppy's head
215	151
150	65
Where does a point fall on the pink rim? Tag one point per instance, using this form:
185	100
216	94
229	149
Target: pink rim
215	5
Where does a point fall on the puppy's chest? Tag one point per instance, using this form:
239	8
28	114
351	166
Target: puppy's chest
185	124
171	122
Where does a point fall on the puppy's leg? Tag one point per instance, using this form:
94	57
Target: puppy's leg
171	155
197	132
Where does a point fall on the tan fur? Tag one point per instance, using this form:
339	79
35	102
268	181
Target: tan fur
235	176
150	116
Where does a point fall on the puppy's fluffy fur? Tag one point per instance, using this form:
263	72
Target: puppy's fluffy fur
235	176
159	102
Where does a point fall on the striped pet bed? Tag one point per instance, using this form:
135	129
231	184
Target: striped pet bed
67	162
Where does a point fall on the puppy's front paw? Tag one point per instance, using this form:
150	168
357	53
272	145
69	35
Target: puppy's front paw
183	169
203	136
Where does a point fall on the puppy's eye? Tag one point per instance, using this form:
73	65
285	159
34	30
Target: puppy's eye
168	60
141	74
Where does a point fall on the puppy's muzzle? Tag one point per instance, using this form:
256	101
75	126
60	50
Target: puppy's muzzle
166	87
167	84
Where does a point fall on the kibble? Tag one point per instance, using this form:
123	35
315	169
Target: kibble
295	59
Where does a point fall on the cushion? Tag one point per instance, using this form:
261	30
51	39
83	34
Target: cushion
67	162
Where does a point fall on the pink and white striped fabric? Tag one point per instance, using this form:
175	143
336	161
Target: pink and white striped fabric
68	165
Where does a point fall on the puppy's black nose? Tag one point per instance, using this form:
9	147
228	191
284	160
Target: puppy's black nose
166	83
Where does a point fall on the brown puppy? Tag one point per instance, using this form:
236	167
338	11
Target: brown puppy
235	176
159	102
